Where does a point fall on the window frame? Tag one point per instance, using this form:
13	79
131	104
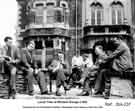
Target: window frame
117	7
65	3
39	13
95	8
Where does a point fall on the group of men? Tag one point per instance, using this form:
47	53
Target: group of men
105	63
15	58
111	57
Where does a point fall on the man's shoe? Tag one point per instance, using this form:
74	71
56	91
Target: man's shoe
67	88
57	93
84	93
97	93
13	94
31	93
79	82
45	92
106	95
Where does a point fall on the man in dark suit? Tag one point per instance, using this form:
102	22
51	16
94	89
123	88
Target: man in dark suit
28	64
11	59
121	62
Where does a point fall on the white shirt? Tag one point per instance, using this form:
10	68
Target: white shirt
88	62
77	61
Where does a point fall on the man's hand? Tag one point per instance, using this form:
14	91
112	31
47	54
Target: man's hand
54	70
36	71
1	59
94	67
31	69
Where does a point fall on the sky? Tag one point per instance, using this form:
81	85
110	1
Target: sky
8	19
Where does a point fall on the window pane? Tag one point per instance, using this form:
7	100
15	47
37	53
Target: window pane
99	15
39	5
49	43
119	17
50	16
49	4
39	20
117	13
39	17
50	20
96	14
31	17
66	14
93	17
113	17
38	45
59	16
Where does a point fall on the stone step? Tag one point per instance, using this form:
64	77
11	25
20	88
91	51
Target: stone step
121	87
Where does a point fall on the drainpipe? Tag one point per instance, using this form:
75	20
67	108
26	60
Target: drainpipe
134	52
43	56
76	29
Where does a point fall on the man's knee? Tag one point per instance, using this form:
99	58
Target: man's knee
40	74
29	73
13	71
105	73
60	71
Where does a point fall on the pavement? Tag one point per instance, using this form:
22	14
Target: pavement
73	92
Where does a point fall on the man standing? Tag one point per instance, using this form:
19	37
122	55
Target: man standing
28	64
12	58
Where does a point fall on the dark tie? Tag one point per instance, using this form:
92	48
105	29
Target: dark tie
9	51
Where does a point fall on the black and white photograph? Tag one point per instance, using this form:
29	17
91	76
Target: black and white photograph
67	55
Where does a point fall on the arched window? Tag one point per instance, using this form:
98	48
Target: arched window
50	13
39	5
54	15
65	16
63	4
117	13
59	16
39	12
96	14
50	4
39	17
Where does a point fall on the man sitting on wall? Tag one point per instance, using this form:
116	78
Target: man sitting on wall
121	62
92	70
56	68
28	64
42	78
11	59
77	65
